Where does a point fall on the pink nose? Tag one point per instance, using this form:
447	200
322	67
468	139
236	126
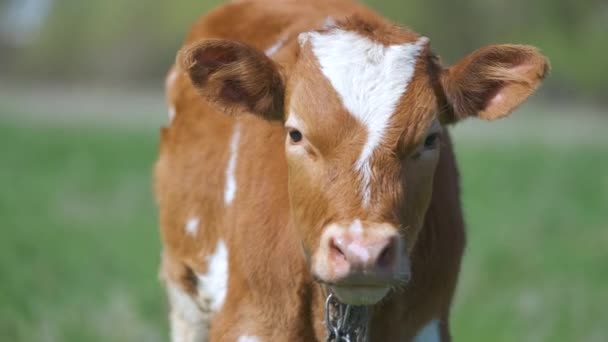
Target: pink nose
372	254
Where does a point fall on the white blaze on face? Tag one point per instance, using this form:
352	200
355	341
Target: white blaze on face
370	78
230	187
247	338
212	286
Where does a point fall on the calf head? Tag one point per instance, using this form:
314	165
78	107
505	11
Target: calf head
363	109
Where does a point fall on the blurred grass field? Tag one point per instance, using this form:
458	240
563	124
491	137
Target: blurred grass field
80	246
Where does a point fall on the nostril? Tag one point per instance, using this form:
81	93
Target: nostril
335	250
387	255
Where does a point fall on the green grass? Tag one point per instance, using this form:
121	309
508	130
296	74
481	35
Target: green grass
80	247
535	268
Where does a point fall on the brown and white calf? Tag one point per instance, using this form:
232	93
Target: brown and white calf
307	153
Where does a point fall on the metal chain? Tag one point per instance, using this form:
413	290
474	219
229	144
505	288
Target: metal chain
344	322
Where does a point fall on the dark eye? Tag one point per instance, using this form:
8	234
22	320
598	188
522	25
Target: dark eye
295	135
431	141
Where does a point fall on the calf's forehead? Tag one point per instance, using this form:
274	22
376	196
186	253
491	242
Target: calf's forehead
369	78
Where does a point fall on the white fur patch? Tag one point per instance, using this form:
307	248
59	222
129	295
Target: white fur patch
192	226
276	47
183	303
187	320
171	113
430	333
212	286
171	77
370	78
246	338
169	82
230	188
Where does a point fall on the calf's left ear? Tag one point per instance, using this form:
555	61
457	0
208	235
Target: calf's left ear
492	81
236	76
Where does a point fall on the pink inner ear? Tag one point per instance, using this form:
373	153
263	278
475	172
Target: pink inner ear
492	81
517	75
497	99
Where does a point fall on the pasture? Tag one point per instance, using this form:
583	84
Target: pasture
80	246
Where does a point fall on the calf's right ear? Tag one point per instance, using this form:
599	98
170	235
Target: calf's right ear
492	81
235	76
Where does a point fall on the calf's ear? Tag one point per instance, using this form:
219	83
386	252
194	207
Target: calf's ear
492	81
235	76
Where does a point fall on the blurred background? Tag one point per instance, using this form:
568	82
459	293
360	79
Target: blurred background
81	102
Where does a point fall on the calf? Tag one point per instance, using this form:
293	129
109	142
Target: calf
308	155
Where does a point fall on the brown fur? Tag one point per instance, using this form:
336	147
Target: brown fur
513	70
231	62
283	203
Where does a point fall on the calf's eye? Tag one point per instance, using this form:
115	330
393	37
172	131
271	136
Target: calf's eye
295	135
431	141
